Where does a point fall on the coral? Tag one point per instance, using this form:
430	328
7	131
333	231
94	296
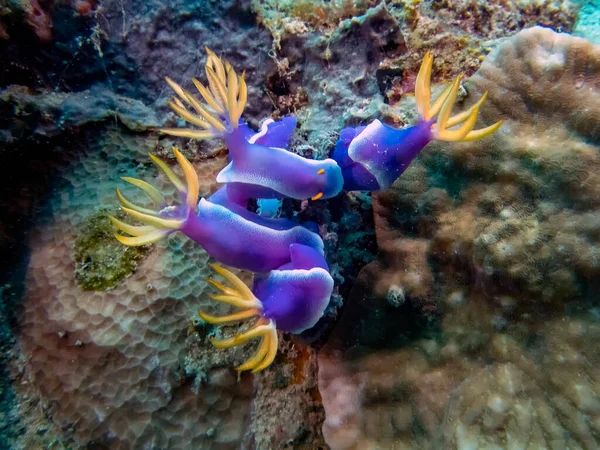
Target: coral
529	402
467	385
463	32
520	210
486	275
52	114
109	363
307	15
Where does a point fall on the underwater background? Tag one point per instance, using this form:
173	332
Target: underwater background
465	306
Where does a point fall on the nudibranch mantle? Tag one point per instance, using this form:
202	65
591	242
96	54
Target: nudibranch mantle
278	172
242	243
295	299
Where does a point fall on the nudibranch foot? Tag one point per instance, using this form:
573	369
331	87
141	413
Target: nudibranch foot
240	296
166	219
225	99
442	108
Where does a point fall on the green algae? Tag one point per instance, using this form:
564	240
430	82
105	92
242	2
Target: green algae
102	262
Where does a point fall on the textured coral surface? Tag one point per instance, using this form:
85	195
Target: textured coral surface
110	363
485	287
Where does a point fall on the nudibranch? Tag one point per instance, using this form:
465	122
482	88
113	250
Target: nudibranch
373	157
228	232
260	166
291	300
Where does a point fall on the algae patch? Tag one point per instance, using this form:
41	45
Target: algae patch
102	262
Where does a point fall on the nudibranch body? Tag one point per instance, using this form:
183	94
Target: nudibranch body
290	300
373	157
228	232
260	166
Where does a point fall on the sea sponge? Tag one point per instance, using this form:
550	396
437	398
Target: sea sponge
110	363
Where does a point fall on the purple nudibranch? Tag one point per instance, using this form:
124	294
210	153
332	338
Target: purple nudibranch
293	285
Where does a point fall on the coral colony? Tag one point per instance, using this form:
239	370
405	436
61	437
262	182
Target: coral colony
292	285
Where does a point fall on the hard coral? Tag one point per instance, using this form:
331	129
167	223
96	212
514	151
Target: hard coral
520	209
109	363
509	231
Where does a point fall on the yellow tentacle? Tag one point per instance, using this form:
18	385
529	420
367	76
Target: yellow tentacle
168	172
236	317
207	96
240	287
148	238
225	99
483	132
257	357
272	344
150	190
188	133
191	179
133	206
234	300
131	229
157	222
258	330
462	131
241	296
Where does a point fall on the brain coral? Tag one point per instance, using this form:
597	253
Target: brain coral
109	364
